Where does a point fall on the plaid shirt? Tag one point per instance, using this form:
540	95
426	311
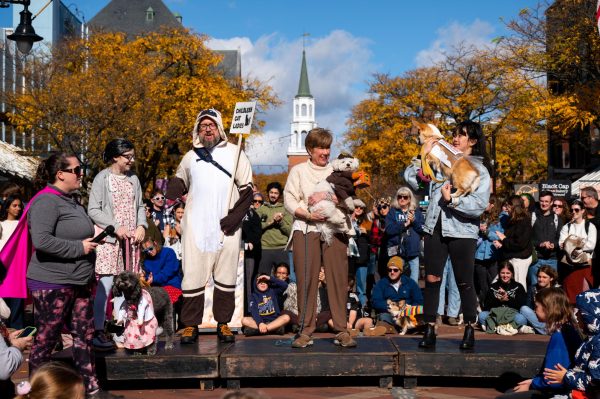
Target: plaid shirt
167	217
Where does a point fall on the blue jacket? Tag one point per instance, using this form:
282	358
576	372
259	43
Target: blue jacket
485	248
264	306
164	268
383	290
585	369
560	350
460	217
395	228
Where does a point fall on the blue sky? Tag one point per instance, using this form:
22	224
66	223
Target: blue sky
349	41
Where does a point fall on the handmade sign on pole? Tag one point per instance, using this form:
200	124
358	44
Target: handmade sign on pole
242	118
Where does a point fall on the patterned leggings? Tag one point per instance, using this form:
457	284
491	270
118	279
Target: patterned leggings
73	308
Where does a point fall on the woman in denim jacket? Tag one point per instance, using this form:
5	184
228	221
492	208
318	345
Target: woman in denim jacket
451	229
486	254
404	226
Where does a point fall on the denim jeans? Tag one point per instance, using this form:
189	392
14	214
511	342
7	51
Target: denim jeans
449	281
532	320
520	320
361	284
413	265
533	269
292	276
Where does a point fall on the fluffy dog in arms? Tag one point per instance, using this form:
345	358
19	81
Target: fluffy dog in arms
341	183
405	316
142	312
445	158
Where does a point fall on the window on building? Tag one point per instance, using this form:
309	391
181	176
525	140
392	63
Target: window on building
297	110
150	14
310	111
303	109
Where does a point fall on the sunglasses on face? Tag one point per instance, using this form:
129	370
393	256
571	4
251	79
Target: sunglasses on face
76	170
575	210
404	197
383	206
258	201
393	269
158	198
148	250
557	206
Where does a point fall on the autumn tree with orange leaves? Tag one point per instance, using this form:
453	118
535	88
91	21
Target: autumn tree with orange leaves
467	84
148	90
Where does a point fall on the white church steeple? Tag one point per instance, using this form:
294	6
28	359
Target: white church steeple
303	119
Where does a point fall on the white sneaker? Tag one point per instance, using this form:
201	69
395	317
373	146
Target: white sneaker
526	330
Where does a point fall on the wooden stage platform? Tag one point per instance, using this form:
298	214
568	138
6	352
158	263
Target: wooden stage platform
391	359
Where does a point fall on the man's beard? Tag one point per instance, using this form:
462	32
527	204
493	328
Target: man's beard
209	143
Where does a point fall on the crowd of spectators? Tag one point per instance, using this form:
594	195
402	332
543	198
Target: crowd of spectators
490	265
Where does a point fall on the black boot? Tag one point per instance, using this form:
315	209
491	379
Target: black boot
468	341
428	340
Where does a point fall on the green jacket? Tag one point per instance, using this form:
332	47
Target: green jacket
275	235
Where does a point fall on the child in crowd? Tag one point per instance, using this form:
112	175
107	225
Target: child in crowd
290	306
161	268
546	277
52	381
356	323
583	377
264	307
552	307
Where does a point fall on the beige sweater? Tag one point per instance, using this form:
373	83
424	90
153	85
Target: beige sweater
299	186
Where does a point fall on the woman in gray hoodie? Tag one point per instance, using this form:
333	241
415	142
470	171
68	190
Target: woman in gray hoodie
60	275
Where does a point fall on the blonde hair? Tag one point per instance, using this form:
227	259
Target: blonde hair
55	380
406	191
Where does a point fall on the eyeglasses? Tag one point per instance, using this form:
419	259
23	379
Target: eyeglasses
383	206
393	269
158	198
258	201
575	210
207	126
557	206
128	157
404	197
76	170
148	250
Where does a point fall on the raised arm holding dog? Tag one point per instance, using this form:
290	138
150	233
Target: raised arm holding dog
451	228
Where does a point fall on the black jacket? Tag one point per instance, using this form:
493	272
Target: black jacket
517	243
516	295
546	228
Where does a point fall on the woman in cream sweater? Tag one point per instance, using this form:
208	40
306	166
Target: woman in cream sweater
310	253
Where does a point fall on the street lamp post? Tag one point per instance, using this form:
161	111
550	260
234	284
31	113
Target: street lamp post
24	34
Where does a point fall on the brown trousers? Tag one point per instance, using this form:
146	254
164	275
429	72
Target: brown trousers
309	254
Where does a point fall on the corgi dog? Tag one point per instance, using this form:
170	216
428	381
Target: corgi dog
443	157
405	316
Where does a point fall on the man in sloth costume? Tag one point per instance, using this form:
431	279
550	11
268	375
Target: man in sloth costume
205	174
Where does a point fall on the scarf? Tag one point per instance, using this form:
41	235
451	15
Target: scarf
15	256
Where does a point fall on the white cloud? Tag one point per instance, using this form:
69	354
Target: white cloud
478	35
338	67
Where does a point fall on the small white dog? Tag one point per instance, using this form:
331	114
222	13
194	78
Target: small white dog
340	184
